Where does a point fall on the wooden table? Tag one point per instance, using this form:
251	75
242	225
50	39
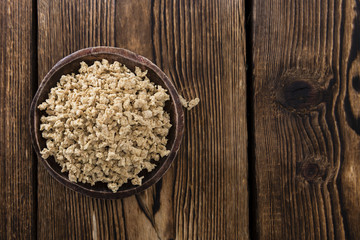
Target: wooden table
271	152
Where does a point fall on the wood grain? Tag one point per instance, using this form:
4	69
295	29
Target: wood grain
347	107
203	52
306	148
64	27
201	46
17	215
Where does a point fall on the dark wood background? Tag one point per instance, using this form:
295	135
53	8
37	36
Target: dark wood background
271	152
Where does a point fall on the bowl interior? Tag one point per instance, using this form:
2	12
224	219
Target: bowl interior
71	64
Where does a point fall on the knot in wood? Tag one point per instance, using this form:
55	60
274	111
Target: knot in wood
312	169
300	95
300	90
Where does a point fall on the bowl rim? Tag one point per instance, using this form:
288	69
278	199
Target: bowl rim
179	118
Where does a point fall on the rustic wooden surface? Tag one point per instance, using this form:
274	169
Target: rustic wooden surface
299	102
306	67
201	47
17	71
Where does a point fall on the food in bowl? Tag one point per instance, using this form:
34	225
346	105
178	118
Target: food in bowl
105	124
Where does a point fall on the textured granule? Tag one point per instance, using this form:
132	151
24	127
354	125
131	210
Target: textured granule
189	104
105	124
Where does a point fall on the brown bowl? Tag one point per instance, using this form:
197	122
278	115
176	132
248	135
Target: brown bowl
71	64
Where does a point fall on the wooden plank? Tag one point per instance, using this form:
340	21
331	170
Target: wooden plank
201	46
305	147
348	115
64	27
17	219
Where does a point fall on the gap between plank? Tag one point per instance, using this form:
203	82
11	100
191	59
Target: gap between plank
34	86
250	120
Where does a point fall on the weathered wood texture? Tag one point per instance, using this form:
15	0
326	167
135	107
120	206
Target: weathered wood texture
16	156
201	46
306	66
